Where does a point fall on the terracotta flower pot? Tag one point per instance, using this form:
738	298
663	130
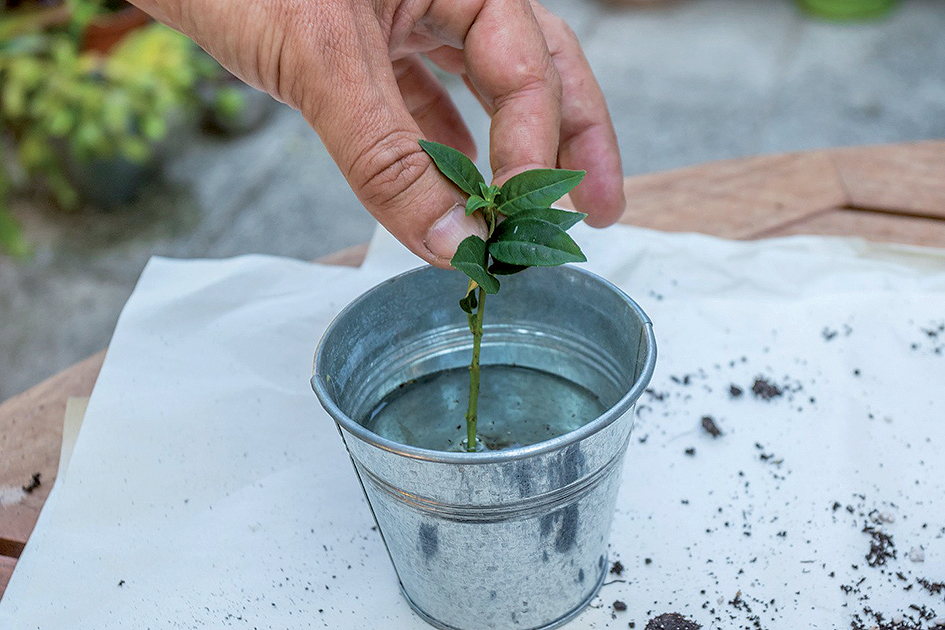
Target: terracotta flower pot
107	30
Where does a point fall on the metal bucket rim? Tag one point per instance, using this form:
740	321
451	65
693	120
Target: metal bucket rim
320	387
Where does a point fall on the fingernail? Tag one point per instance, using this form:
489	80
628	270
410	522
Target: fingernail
450	230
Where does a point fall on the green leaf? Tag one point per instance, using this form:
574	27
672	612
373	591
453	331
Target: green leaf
499	268
469	303
474	203
456	166
470	258
537	189
564	219
533	242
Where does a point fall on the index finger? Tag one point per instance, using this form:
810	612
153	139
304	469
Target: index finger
509	65
588	139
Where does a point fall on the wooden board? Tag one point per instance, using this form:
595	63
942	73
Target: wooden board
30	437
873	226
890	193
6	570
906	179
735	199
790	194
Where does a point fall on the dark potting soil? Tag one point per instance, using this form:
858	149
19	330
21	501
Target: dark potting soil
765	389
33	484
708	423
671	621
882	548
931	339
932	587
738	603
617	568
881	566
873	620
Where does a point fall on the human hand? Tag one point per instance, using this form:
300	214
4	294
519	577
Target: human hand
353	68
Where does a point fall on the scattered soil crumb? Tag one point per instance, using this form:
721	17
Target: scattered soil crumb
708	423
734	391
932	587
33	484
671	621
765	390
882	548
691	452
921	619
617	568
619	606
655	395
738	603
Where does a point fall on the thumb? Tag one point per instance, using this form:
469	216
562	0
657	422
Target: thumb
445	235
400	185
358	111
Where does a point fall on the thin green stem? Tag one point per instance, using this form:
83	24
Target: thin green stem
472	410
475	327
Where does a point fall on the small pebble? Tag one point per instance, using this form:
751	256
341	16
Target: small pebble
917	554
619	606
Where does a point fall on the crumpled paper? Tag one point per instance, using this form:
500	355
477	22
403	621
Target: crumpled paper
208	488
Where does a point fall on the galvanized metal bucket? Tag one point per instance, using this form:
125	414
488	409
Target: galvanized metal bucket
506	539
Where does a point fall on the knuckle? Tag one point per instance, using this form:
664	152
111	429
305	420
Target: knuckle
526	82
561	26
389	169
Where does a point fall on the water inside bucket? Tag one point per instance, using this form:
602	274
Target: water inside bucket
518	406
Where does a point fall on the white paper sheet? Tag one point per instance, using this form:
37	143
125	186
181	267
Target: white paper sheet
208	488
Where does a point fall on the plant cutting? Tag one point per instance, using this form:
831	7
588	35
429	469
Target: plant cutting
514	532
533	235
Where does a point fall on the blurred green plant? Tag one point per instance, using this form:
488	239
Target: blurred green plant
82	12
847	9
12	241
228	102
61	103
